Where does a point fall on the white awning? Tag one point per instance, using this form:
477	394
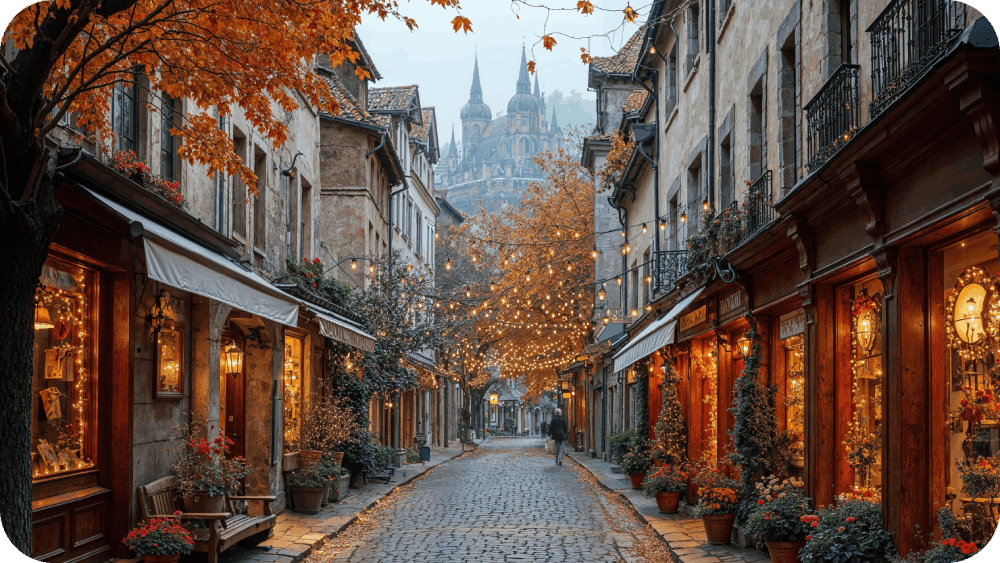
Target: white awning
658	334
335	327
182	263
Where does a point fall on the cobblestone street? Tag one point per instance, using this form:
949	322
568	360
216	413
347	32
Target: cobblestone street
506	502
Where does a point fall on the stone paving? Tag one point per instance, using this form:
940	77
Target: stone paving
297	535
507	502
684	534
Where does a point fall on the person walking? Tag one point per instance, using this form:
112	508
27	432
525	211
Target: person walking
545	428
558	430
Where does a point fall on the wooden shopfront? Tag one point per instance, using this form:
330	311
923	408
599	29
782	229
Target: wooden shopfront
81	389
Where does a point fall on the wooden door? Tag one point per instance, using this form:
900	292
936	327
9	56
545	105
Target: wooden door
234	424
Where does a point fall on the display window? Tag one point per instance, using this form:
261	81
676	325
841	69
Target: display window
794	402
970	298
293	392
705	372
862	440
63	411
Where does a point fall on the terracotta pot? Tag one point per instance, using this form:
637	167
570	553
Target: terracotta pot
326	494
784	551
309	457
172	558
307	500
718	527
342	491
637	479
340	457
667	503
204	504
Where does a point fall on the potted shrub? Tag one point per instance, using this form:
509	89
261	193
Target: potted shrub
328	426
308	485
851	531
339	481
666	484
161	540
636	462
205	476
778	521
718	501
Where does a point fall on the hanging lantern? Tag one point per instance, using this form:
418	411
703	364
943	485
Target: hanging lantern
447	265
744	345
704	204
864	324
619	280
233	357
663	224
43	321
601	294
371	269
643	228
684	218
605	320
354	264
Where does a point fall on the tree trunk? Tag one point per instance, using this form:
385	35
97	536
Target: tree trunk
26	232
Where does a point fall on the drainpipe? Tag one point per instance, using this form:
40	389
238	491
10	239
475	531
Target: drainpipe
710	149
604	410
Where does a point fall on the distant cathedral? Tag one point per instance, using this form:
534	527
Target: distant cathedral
495	163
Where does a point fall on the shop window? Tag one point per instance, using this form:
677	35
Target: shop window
706	376
169	362
863	441
293	393
63	416
971	306
794	403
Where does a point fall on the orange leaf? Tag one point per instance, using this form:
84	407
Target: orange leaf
548	42
531	67
630	14
410	23
585	7
461	23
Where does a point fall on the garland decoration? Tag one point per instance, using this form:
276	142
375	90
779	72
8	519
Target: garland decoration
972	315
863	445
671	436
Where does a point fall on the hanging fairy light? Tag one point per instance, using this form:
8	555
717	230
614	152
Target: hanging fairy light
447	265
643	228
663	224
602	293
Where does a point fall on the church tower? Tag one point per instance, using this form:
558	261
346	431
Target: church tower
542	125
476	116
522	116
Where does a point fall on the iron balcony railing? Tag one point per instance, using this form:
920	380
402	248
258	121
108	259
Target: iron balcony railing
906	38
833	115
757	209
670	266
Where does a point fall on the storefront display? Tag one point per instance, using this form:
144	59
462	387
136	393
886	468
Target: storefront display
169	363
706	371
863	442
795	396
62	411
293	393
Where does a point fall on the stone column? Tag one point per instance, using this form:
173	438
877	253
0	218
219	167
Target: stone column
207	318
262	366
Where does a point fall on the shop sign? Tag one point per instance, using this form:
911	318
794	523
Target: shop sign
731	302
58	279
791	324
694	318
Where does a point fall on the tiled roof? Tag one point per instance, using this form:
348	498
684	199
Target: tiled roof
622	62
350	108
419	132
391	98
635	101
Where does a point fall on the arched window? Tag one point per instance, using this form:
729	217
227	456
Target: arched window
475	131
523	144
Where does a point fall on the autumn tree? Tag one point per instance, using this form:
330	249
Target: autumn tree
529	313
67	57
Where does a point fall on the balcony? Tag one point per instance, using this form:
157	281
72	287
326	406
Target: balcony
758	212
906	38
833	115
670	266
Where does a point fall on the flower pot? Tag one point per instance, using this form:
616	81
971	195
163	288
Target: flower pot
692	492
784	551
342	491
718	527
171	558
667	503
307	499
309	457
204	504
637	479
326	494
340	457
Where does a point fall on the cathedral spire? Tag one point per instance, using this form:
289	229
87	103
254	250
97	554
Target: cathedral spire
476	92
538	92
523	81
555	123
453	149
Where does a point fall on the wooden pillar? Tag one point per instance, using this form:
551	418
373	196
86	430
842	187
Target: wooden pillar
821	441
906	459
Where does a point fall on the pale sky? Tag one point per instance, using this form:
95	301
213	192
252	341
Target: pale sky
441	61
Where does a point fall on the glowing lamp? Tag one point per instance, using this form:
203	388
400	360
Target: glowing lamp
663	225
43	320
447	265
744	345
684	218
605	320
233	358
494	399
968	314
619	280
354	264
601	294
704	204
643	228
371	269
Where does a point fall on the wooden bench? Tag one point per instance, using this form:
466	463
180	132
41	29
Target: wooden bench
385	475
221	531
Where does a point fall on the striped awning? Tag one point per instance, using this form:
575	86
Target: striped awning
335	327
655	336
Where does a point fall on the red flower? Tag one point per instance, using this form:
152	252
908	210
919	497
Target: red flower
809	537
849	519
815	524
841	529
315	260
760	501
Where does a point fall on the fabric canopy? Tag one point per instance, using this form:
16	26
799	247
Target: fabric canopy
335	327
658	334
182	263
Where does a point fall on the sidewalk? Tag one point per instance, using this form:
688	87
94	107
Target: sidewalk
683	534
297	535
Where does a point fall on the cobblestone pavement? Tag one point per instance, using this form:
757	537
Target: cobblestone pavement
507	502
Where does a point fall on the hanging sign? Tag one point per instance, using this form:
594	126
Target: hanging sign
791	324
694	318
732	302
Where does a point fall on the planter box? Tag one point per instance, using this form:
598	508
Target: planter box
345	482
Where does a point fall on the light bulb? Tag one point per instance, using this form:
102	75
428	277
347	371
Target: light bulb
354	264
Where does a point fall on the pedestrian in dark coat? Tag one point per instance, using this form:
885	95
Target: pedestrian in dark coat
545	428
558	431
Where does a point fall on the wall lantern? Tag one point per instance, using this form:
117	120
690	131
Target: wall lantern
354	264
43	320
233	360
494	399
684	218
602	293
606	319
973	314
968	313
371	269
744	345
704	204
